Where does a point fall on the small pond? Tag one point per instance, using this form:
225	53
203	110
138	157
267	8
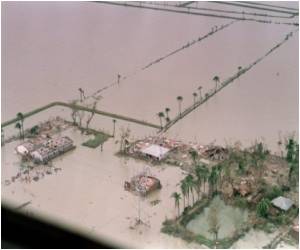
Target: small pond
229	219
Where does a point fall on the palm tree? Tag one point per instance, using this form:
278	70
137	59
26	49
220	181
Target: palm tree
199	171
195	96
81	93
204	172
19	126
20	117
184	190
197	186
190	184
114	128
200	94
179	99
217	80
167	112
160	116
219	170
177	198
213	179
194	155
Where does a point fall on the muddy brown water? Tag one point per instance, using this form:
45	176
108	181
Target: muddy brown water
49	50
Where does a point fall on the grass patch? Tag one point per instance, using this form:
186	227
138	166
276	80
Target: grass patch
99	138
240	202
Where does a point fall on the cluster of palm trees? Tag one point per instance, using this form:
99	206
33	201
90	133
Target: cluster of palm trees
179	99
195	184
162	115
195	95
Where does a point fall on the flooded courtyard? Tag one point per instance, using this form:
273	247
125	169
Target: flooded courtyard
229	219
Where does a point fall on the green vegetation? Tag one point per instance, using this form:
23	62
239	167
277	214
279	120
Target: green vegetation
248	167
167	110
34	130
177	198
160	116
273	192
284	217
177	228
99	138
292	158
179	99
200	94
240	202
263	208
19	127
20	124
114	127
216	79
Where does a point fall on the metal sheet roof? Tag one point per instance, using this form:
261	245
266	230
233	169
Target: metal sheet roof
155	150
282	203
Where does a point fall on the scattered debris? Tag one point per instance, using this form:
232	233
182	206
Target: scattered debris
216	153
142	184
155	202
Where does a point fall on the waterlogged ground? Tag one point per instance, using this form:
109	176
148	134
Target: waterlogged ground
88	44
88	194
230	219
52	49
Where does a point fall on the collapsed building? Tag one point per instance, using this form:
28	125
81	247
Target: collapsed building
46	150
142	184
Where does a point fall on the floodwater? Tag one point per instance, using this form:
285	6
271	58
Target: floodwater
49	50
88	194
229	219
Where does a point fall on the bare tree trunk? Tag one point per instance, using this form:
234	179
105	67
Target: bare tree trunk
91	116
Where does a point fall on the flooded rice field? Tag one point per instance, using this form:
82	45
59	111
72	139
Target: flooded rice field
50	50
90	55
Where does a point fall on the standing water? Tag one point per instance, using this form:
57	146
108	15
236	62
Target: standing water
229	220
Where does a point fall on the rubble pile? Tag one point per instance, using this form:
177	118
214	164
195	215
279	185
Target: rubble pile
142	184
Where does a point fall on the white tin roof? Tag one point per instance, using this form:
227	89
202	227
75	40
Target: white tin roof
282	203
155	150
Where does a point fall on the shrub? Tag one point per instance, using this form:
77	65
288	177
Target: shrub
241	202
34	130
273	192
262	208
280	219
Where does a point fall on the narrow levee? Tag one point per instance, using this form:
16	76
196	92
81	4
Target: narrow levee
171	53
229	80
79	107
